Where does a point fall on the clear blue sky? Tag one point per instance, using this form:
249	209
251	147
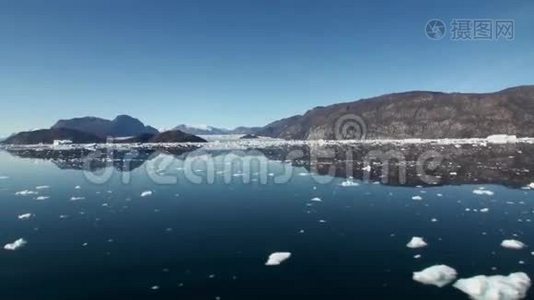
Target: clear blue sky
239	62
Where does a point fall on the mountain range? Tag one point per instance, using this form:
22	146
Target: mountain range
210	130
415	114
122	129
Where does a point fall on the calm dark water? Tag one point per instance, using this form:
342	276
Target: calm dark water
209	240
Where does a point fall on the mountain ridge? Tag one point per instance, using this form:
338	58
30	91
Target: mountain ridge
120	126
418	114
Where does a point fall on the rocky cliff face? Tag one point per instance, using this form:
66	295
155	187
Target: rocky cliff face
415	114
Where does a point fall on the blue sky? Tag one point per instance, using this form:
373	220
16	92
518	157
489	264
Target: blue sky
240	62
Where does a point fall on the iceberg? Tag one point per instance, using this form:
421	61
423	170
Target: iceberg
146	193
438	275
513	244
497	287
483	192
416	242
277	258
25	216
26	193
15	245
501	139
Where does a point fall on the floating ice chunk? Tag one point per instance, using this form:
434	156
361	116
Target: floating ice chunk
433	220
417	256
483	192
42	187
349	182
40	198
277	258
438	275
25	216
15	245
146	193
513	244
77	187
484	210
26	193
416	242
497	287
3	177
74	198
417	198
501	139
316	199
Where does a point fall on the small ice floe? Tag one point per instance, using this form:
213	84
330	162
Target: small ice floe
349	182
74	198
25	216
146	193
154	287
482	191
77	187
433	220
3	177
417	256
416	242
484	210
41	198
417	198
438	275
497	287
322	221
513	244
315	199
277	258
26	193
15	245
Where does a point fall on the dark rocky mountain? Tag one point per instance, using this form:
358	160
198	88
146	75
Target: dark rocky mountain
244	130
121	126
249	137
47	136
416	114
175	136
201	130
